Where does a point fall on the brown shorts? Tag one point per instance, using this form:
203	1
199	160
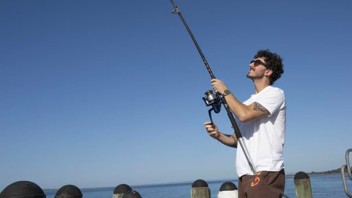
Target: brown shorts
263	184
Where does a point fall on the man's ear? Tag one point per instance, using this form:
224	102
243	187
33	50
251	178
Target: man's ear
268	72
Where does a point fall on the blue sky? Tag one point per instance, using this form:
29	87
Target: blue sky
99	93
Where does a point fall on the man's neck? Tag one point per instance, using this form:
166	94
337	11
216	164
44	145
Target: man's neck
260	84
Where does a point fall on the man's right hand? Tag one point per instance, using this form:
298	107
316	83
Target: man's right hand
212	130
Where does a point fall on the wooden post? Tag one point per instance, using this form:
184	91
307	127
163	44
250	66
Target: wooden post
69	191
22	189
200	189
228	190
120	190
302	185
131	194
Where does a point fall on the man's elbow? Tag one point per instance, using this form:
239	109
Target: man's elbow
244	118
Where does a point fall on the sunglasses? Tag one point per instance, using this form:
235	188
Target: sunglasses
257	62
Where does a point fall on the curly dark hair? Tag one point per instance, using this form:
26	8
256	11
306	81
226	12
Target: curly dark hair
274	62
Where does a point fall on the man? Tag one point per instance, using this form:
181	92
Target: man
262	125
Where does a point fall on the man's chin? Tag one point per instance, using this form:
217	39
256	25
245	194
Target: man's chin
250	77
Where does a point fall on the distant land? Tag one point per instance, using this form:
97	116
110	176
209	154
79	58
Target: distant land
338	170
334	171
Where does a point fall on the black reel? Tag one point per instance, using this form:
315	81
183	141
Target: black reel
214	100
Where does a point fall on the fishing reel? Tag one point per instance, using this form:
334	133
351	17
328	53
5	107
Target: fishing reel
214	100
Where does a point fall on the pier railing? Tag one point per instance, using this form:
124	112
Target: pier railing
347	167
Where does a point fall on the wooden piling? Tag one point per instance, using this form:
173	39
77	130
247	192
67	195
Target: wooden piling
22	189
120	190
131	194
302	185
69	191
200	189
228	190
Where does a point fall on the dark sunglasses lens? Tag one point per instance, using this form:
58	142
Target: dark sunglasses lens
257	62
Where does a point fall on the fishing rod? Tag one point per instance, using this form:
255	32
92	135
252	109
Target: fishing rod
213	98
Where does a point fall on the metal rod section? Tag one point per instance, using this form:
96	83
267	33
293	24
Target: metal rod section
238	135
347	158
177	11
345	188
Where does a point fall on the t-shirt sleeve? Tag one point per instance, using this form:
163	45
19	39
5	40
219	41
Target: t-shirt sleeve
272	100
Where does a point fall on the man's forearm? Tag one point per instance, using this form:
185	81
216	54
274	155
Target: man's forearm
238	108
228	140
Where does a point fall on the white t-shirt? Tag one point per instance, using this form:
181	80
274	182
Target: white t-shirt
264	137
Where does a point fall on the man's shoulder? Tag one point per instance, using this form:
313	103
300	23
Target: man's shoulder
274	90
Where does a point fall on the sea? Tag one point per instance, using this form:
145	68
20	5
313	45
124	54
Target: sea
323	186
